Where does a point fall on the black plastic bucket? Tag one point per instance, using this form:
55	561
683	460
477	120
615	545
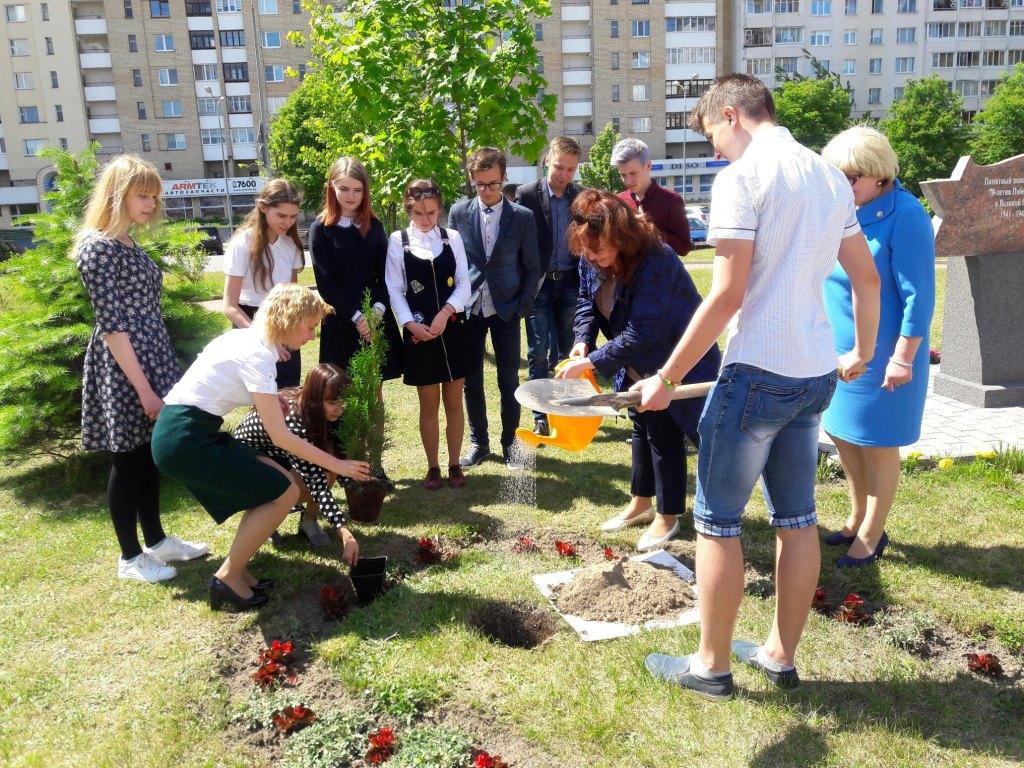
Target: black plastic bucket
368	578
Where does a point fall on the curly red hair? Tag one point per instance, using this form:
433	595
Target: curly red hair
597	214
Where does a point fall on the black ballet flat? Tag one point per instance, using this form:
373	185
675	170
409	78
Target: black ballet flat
262	585
221	593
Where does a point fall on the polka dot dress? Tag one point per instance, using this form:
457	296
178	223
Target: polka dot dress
124	287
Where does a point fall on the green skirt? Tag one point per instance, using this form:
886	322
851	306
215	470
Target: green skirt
222	473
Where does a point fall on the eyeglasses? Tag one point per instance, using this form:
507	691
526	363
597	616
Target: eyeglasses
854	179
494	186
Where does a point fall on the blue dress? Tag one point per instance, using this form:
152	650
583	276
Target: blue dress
899	233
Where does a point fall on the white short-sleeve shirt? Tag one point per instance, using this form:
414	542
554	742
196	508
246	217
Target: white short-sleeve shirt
226	373
285	257
796	207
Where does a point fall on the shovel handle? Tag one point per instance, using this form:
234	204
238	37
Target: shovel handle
681	392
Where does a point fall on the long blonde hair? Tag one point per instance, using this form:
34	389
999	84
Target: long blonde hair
107	212
275	192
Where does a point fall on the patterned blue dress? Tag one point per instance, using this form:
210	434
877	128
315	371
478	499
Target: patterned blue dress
899	233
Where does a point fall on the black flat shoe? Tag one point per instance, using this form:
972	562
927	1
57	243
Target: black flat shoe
262	585
221	593
839	538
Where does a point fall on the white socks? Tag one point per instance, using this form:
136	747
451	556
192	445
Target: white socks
769	663
697	667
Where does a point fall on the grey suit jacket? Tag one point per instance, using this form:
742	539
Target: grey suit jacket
513	271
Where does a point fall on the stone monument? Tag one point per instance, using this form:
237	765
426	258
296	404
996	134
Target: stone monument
982	234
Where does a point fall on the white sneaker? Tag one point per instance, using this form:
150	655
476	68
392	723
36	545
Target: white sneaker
175	550
146	568
621	521
648	542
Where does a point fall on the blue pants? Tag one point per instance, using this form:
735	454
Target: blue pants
505	338
553	313
759	424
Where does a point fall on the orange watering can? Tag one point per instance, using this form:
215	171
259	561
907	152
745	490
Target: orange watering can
573	433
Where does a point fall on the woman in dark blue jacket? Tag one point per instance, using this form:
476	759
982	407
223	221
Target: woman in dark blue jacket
634	289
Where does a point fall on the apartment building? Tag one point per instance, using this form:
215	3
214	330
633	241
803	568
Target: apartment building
877	45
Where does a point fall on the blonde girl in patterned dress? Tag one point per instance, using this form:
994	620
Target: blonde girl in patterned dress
130	363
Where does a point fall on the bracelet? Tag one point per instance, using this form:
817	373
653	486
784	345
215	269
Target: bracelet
901	364
666	382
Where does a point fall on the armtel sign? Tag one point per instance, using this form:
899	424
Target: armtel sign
242	185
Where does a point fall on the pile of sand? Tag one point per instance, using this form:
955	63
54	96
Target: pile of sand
626	591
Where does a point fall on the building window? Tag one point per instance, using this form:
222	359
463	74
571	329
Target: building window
159	9
851	8
274	104
274	73
759	6
897	93
243	135
28	114
167	76
874	66
904	64
616	123
201	41
988	87
63	144
789	34
19	46
296	6
137	78
641	124
787	64
757	36
968	58
942	60
232	38
641	60
874	95
615	61
173	141
640	28
698	55
641	92
1017	28
133	44
23	81
970	3
849	66
850	37
48	41
207	105
906	6
690	24
211	137
229	6
140	109
759	66
271	39
147	144
995	28
170	108
821	7
14	13
906	35
674	120
615	92
787	6
614	28
820	38
33	146
967	88
826	64
939	29
968	29
54	80
236	72
876	6
163	43
994	58
205	72
538	32
239	105
268	7
1014	57
129	12
876	36
44	11
198	9
58	113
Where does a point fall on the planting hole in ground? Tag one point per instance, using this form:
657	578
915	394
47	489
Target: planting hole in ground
516	624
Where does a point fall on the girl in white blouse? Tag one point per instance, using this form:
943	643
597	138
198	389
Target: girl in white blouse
428	282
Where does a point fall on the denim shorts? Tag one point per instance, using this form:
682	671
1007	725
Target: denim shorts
759	424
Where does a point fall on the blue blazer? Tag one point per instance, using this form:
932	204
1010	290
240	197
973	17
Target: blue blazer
513	270
647	319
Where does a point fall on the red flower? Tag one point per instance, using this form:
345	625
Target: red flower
609	553
278	652
524	544
852	610
820	596
333	602
484	760
853	600
428	551
383	737
382	746
985	663
565	549
377	755
293	718
269	673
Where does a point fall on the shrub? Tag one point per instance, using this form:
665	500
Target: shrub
335	739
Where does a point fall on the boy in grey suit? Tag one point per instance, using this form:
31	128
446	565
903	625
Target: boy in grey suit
504	272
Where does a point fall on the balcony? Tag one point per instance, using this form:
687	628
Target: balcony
943	5
576	44
245	151
577	108
101	92
214	152
95	60
104	124
90	25
576	12
577	76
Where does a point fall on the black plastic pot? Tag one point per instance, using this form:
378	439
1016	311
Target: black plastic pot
368	578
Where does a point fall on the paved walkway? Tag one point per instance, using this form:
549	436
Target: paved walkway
955	429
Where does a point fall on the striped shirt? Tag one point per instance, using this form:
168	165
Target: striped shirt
796	208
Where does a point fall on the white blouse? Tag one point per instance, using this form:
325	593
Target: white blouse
284	255
427	246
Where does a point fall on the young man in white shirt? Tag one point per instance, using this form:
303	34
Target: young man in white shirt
780	216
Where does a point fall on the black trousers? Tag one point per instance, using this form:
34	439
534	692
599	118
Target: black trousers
505	337
133	495
289	372
659	453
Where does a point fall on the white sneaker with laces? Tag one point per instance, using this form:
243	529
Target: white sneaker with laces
175	550
146	568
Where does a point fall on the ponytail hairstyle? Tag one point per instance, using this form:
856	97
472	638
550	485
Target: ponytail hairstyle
323	382
107	212
274	193
331	214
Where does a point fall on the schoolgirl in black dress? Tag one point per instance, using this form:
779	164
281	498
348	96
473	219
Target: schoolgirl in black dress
130	364
428	281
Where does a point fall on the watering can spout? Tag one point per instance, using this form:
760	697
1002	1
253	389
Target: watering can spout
573	433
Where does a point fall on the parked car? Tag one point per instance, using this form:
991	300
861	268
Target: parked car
698	230
212	242
698	212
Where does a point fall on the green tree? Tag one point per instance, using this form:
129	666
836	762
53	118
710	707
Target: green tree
815	108
46	319
411	87
925	131
999	127
598	171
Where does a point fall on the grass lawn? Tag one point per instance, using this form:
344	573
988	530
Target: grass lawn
100	672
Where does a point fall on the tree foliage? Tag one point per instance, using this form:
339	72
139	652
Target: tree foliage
926	132
411	87
999	127
46	319
598	171
815	108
